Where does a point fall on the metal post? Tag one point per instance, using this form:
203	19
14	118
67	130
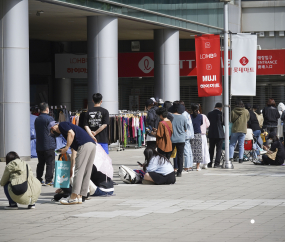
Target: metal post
227	163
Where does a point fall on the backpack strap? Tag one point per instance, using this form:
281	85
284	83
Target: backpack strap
27	171
166	125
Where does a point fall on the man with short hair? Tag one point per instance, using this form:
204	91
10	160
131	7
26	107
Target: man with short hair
45	145
83	154
216	134
96	122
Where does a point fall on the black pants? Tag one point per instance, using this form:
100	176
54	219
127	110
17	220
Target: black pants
179	155
151	144
166	154
218	143
45	158
267	161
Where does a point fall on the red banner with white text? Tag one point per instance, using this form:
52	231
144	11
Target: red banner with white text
208	65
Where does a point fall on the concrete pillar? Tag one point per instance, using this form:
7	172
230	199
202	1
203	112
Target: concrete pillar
63	92
102	40
166	64
208	103
14	78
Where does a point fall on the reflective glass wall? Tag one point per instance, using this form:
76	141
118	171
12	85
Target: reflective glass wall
198	15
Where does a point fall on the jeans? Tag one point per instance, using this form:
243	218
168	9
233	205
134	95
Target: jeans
256	134
99	192
234	138
188	157
179	155
11	202
45	158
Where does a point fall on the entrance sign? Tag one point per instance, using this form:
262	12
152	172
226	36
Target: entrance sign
208	65
140	64
244	55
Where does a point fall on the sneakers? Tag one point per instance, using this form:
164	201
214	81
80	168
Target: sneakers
32	206
262	152
185	171
43	183
49	183
199	169
205	167
69	201
11	207
258	162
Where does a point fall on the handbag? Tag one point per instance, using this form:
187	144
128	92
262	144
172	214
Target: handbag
173	154
20	189
272	156
62	172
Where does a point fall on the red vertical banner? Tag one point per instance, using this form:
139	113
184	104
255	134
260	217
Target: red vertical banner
208	64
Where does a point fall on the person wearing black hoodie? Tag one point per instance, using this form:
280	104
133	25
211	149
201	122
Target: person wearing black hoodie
271	116
254	124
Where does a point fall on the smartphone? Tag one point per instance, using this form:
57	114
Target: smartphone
139	163
58	151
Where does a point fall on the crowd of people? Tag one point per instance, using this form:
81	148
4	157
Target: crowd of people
172	131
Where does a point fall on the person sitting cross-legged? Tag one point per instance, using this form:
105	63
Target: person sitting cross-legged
158	169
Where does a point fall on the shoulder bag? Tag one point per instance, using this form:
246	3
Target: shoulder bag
20	189
272	156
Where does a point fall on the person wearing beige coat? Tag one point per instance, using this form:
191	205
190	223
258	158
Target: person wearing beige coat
16	173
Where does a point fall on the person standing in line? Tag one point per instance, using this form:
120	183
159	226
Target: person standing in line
163	134
259	115
45	145
152	121
271	116
239	117
96	121
167	105
196	143
83	154
216	135
188	156
179	125
205	149
254	124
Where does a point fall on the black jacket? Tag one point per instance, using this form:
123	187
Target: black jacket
44	140
280	156
216	128
271	116
253	122
152	120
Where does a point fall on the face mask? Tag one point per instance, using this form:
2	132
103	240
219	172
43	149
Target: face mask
270	141
56	134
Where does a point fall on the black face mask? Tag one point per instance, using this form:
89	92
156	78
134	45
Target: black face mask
56	134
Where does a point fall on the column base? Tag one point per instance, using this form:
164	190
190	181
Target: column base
227	165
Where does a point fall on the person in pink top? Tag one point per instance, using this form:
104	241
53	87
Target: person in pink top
205	149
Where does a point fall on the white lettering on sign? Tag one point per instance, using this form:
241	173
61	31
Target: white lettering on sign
209	78
208	56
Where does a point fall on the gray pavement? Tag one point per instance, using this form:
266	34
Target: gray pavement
210	205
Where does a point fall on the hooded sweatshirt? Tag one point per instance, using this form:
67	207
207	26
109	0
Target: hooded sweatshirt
239	117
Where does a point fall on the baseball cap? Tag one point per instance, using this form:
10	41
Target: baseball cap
51	124
148	102
153	99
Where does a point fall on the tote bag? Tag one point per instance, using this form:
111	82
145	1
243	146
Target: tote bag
62	173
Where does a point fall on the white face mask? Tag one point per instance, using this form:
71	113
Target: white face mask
270	141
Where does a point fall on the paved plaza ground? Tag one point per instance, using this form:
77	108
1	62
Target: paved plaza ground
210	205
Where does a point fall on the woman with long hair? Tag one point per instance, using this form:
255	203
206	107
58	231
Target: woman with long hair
158	168
196	143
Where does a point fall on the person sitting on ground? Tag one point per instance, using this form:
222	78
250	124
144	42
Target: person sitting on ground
275	145
158	169
16	173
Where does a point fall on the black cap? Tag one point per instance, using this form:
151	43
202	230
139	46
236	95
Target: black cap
271	135
148	102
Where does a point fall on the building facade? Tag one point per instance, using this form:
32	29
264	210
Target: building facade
63	51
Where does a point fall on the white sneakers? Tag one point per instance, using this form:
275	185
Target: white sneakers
199	169
69	201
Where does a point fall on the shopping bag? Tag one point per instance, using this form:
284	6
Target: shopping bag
173	154
62	174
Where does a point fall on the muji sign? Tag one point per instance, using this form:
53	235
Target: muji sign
269	62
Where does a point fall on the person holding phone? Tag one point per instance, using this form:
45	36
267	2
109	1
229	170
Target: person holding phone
159	170
79	141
